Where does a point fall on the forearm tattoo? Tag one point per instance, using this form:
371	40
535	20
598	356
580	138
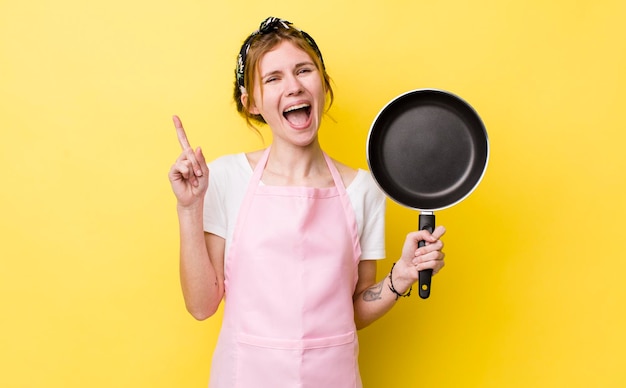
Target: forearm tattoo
374	292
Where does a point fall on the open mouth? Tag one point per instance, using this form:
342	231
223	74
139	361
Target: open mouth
298	115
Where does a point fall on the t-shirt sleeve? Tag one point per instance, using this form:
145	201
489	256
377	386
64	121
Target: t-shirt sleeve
372	214
215	217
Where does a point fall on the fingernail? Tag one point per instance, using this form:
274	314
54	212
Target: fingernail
199	172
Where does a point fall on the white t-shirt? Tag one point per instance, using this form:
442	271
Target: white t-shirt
229	177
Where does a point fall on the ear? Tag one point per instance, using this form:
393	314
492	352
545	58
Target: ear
244	101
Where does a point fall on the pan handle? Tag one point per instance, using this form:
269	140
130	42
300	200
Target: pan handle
426	222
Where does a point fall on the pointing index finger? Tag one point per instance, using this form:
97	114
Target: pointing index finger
180	131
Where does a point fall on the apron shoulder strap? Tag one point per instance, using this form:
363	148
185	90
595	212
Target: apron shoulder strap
335	173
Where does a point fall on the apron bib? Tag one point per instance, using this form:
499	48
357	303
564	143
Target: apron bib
290	276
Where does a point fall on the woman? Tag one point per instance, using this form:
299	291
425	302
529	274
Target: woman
286	235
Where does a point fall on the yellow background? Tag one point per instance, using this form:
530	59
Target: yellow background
533	293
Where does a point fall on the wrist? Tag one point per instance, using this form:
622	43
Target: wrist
191	209
403	275
398	287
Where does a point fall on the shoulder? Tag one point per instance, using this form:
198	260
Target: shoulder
252	158
364	182
359	182
348	174
229	172
229	163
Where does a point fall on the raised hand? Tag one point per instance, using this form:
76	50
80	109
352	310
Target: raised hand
414	259
189	175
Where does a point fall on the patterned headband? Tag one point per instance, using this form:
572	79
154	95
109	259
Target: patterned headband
268	26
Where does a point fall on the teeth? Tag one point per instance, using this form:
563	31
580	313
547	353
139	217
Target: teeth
296	107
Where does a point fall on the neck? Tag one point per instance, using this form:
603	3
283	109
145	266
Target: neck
297	166
296	162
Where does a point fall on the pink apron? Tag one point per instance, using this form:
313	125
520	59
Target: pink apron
289	278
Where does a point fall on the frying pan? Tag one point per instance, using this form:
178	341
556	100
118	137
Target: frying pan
427	149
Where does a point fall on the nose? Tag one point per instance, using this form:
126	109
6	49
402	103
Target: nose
293	87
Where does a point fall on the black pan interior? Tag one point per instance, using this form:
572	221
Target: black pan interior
427	149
